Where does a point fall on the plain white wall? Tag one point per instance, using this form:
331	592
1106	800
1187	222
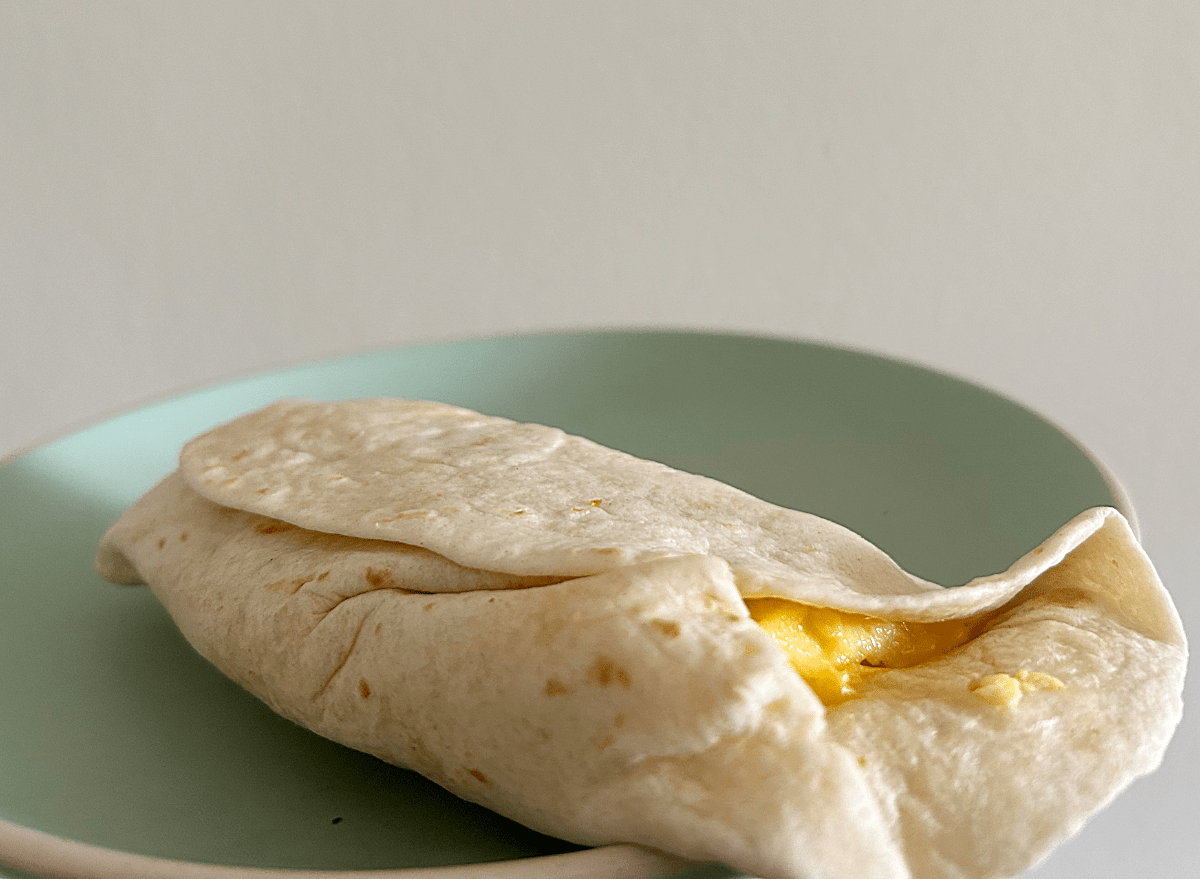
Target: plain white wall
1010	192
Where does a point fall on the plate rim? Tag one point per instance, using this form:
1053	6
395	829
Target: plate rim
1121	498
44	854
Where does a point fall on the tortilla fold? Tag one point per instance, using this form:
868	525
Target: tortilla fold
559	632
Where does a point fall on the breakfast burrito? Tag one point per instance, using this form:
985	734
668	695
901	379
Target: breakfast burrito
609	650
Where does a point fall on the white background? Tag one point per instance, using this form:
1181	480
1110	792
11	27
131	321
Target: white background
1008	192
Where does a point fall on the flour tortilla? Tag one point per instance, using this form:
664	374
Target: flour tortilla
438	588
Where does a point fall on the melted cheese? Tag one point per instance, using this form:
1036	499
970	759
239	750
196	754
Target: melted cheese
1005	691
835	651
1001	690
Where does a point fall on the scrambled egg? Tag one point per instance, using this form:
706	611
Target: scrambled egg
836	651
1005	691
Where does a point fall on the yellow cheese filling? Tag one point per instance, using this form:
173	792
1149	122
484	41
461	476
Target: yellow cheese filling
836	651
1005	691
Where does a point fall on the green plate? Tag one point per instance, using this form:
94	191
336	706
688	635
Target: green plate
114	734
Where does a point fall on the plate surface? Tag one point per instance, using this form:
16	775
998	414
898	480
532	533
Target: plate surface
114	733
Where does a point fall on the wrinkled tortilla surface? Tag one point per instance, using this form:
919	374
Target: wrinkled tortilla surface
557	630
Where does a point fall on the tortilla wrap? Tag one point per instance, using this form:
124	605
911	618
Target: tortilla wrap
559	631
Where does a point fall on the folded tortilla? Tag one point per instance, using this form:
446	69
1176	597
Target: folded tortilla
564	633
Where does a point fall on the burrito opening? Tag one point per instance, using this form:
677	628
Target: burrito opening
837	651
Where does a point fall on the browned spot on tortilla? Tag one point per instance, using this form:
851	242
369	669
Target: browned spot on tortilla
162	541
1089	740
1067	596
364	689
230	481
480	776
483	441
272	526
603	743
321	576
555	687
670	628
749	649
1037	551
862	761
288	585
344	658
619	721
596	502
604	672
430	605
243	453
516	512
182	536
378	578
263	490
378	628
